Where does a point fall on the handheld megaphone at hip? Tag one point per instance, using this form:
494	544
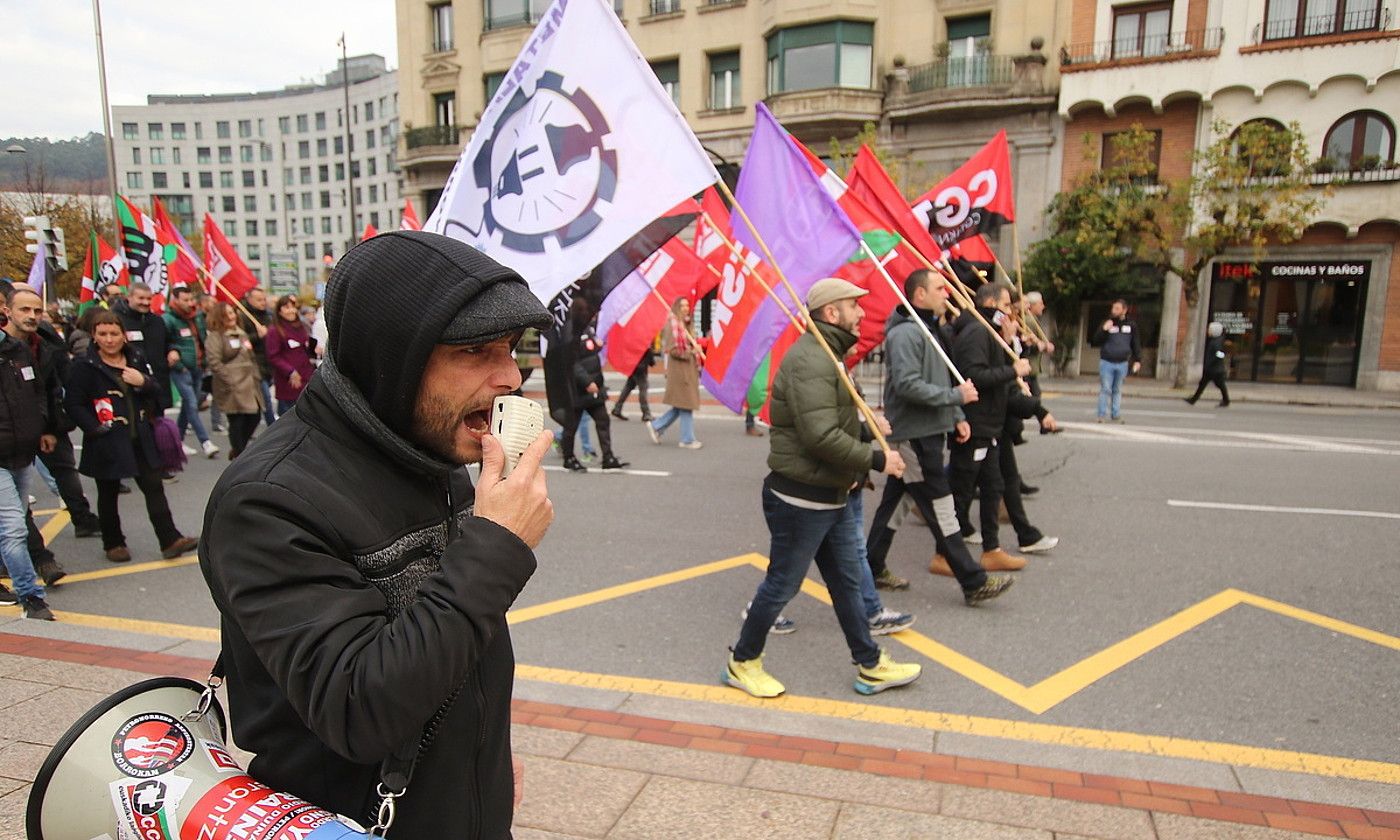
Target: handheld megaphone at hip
149	763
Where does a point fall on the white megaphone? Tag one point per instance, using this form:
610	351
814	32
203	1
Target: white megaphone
149	763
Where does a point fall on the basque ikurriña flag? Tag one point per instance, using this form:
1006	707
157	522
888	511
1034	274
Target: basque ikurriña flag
579	149
104	265
976	198
808	234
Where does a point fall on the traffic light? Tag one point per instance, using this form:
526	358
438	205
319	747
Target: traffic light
42	234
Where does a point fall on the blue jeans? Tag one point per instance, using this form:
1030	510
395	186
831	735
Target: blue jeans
687	418
585	437
1111	376
269	415
187	382
800	536
14	533
856	505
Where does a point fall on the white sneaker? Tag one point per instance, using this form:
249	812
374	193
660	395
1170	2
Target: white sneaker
694	444
973	538
210	449
189	450
1042	544
655	435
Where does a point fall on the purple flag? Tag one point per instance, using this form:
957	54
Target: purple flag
808	234
39	270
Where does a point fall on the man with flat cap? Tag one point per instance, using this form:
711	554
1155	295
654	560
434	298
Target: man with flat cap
361	579
817	455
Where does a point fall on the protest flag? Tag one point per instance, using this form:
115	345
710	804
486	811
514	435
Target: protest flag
229	277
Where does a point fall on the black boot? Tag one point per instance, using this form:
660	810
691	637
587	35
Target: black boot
572	465
86	526
611	464
617	412
50	571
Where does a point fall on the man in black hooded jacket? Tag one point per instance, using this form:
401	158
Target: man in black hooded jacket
362	580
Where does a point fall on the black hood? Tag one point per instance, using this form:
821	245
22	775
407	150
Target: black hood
387	304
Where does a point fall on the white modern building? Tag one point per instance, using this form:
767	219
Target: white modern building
277	169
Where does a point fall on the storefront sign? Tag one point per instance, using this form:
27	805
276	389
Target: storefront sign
1294	270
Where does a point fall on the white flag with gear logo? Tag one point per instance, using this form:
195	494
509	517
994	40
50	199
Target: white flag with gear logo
579	149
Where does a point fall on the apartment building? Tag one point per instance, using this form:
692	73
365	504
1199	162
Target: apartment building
1324	309
938	78
277	169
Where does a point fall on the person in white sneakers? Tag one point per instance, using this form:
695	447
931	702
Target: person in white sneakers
682	378
184	325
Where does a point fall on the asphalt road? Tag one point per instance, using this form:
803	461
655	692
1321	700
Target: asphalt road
1127	560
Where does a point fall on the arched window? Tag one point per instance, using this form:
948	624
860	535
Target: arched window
1263	144
1361	139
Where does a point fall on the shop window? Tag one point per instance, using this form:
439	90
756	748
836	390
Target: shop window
1141	30
834	54
724	81
1318	18
1361	140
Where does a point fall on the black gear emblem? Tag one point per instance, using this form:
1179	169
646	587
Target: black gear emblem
546	169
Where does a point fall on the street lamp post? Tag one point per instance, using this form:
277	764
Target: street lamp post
107	120
349	138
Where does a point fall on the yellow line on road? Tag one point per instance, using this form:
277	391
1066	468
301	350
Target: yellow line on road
1067	736
574	602
54	526
133	569
130	625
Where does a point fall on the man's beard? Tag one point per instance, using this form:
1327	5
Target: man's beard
435	423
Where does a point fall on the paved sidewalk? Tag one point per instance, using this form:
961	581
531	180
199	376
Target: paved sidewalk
1243	392
592	773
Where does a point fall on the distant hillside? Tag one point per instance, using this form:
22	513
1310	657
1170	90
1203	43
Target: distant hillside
77	165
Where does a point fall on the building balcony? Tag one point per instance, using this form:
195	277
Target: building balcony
967	84
431	144
1147	49
827	108
1356	24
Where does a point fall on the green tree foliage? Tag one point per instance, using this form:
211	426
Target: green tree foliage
78	165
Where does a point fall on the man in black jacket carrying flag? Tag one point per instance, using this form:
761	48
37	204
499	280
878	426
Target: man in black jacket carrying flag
362	580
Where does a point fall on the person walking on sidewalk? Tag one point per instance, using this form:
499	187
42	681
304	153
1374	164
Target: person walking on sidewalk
289	354
1214	366
111	396
682	379
25	430
1120	352
235	373
817	457
184	323
637	380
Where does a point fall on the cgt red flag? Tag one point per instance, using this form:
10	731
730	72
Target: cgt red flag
180	260
409	219
709	241
229	277
977	198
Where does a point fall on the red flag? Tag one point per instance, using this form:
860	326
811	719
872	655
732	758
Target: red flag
179	257
671	270
409	219
229	277
710	244
977	198
739	295
370	230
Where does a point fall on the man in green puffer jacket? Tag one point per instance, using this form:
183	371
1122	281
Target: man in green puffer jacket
817	455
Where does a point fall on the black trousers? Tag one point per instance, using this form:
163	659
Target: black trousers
38	552
157	509
926	482
240	431
1026	533
1218	379
601	425
637	380
981	477
63	466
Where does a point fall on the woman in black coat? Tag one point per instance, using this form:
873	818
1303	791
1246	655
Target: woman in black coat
111	395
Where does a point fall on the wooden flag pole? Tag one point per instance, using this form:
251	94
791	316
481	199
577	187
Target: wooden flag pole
671	316
899	293
841	371
748	270
965	301
972	305
1026	318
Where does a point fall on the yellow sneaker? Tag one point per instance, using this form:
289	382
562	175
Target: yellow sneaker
750	677
885	674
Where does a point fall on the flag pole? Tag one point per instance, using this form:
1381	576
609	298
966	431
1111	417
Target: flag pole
841	371
928	334
747	269
954	285
670	316
1026	317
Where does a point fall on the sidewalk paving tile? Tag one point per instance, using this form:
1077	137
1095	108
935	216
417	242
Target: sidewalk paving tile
11	663
865	822
14	691
12	808
671	761
1041	812
535	834
846	785
681	809
45	718
21	760
575	798
550	743
55	672
1374	795
1178	827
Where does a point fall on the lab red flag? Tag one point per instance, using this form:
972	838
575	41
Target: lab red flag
632	316
409	219
370	230
180	260
977	198
229	277
711	231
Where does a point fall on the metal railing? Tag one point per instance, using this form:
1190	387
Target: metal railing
442	45
432	135
973	71
1167	45
724	2
665	7
1320	26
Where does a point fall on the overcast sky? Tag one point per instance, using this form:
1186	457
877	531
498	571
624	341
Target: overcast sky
48	64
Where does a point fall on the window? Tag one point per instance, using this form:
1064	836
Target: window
1311	18
304	174
157	155
306	201
355	173
665	7
1361	140
245	153
492	83
325	224
340	172
201	155
309	251
261	127
373	167
135	155
445	109
158	181
501	13
969	44
225	154
291	201
355	111
284	125
245	128
206	180
226	180
155	131
384	132
668	73
133	180
308	226
1141	30
254	252
270	226
724	81
835	54
272	202
230	229
177	131
230	203
374	218
266	152
211	204
250	178
441	14
325	199
304	149
322	147
1111	157
369	111
250	227
320	120
369	139
339	145
1269	147
185	177
250	204
199	131
175	155
263	176
129	131
221	129
301	123
373	193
